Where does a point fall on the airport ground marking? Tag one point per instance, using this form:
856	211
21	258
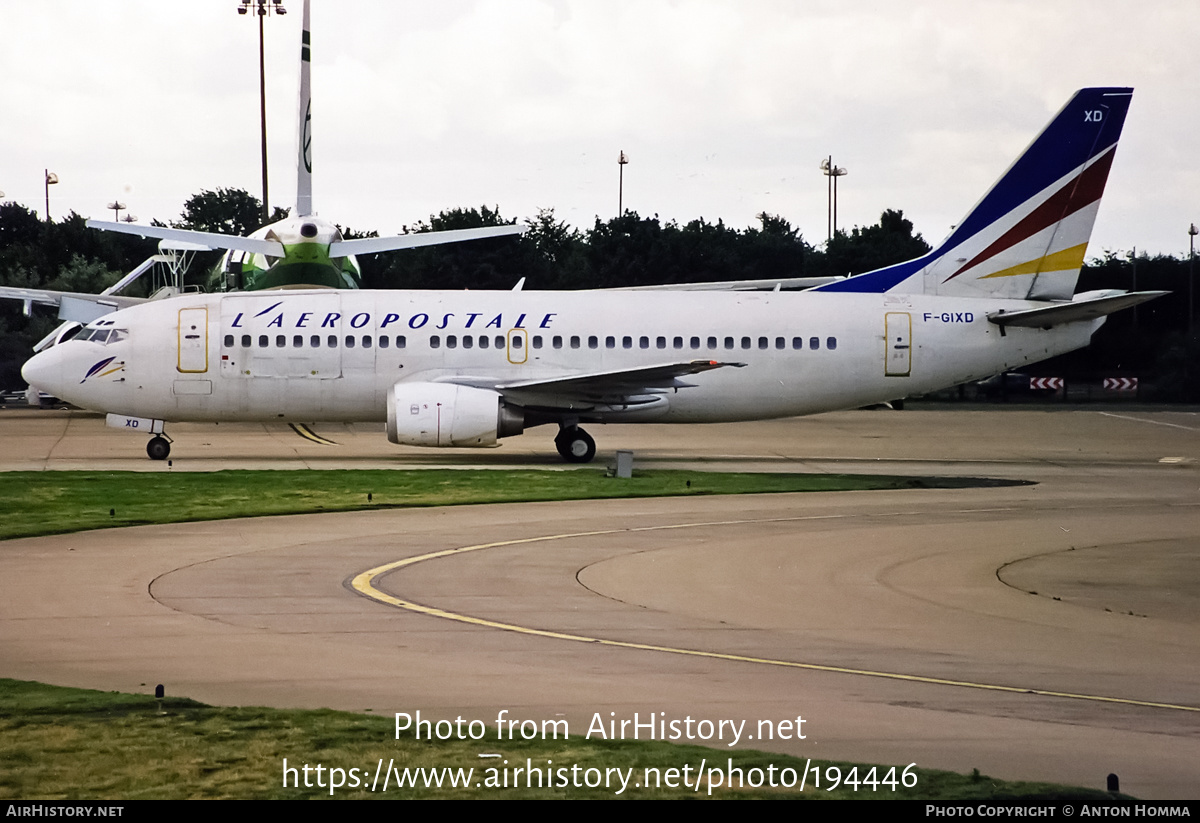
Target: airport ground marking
307	433
364	584
1151	422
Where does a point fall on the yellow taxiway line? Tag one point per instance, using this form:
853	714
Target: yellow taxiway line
364	583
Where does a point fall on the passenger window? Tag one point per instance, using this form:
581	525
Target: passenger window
729	342
331	341
435	342
814	343
468	341
315	341
677	342
610	342
483	342
660	342
712	342
383	341
263	341
499	341
831	343
643	342
366	341
593	342
516	341
452	341
556	341
780	343
401	341
627	342
298	342
762	342
280	341
574	341
245	341
797	343
745	342
694	342
229	341
537	341
349	341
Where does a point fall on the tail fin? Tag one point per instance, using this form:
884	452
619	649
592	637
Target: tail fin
304	128
1027	237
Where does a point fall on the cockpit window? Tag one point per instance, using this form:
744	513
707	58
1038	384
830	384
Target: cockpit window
104	336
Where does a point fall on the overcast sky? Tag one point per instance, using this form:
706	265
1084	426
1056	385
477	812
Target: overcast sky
725	108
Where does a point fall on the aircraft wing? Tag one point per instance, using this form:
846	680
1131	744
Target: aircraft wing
204	239
621	386
768	284
1091	306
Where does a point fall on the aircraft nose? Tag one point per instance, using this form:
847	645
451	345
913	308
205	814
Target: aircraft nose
43	371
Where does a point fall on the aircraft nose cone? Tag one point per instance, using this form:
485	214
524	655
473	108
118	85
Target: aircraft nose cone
44	371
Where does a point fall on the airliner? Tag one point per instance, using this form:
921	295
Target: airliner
467	368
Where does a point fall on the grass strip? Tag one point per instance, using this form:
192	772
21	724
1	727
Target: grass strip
61	744
39	503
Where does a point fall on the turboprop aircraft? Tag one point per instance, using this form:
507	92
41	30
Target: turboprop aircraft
303	250
467	368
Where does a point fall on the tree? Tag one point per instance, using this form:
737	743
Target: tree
493	263
775	250
224	211
868	248
553	253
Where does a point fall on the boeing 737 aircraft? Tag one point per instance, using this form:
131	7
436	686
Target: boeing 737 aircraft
465	368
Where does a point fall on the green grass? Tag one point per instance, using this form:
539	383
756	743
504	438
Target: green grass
61	743
38	503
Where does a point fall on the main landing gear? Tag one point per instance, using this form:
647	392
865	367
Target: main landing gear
158	448
575	445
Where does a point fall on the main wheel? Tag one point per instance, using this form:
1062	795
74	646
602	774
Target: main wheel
575	445
158	448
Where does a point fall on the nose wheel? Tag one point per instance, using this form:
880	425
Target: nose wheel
158	448
575	445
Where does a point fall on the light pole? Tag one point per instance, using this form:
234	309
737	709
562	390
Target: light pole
1192	232
116	206
262	9
51	179
833	173
622	162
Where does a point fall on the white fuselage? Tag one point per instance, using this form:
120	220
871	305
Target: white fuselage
325	355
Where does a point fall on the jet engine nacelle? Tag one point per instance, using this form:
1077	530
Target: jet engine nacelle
445	414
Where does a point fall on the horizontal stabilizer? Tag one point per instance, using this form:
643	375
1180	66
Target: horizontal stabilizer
1087	308
371	245
205	239
45	297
